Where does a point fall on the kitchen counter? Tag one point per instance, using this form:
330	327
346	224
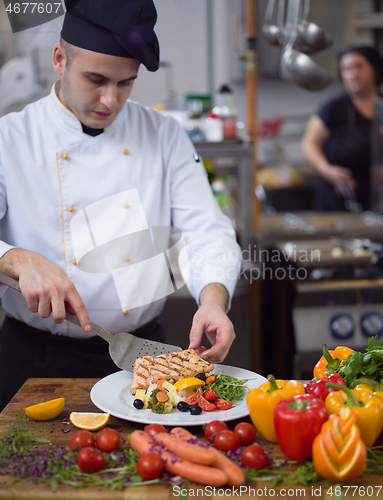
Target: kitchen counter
76	393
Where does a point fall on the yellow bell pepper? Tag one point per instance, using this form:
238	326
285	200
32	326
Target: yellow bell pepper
331	360
262	401
339	454
369	384
367	407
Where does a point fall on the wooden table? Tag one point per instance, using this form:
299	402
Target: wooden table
76	393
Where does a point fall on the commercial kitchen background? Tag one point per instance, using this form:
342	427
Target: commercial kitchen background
199	53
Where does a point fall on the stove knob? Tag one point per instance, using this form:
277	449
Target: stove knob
371	324
342	326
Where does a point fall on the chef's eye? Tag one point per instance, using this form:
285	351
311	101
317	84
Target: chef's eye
95	80
126	84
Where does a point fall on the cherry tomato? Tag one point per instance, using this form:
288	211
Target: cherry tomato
254	456
246	433
205	405
90	459
81	439
210	394
213	427
226	441
193	399
150	465
108	439
153	429
222	404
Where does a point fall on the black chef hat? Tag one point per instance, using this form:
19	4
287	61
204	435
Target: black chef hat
117	27
369	53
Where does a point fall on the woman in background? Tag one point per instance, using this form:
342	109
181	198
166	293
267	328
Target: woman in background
337	139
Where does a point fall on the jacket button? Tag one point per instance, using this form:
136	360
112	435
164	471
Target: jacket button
126	258
74	262
71	209
126	205
125	311
126	151
65	156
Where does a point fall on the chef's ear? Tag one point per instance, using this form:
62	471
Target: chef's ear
59	58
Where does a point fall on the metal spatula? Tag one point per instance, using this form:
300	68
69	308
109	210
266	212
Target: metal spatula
124	348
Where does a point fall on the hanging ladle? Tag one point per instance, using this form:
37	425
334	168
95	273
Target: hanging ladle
310	37
271	32
298	67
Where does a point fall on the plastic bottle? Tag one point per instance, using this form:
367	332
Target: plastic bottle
227	112
214	128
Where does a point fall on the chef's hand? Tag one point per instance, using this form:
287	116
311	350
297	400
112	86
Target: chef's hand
45	287
212	320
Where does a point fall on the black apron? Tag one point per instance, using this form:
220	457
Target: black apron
29	352
348	146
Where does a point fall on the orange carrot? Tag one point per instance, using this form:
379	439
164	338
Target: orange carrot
162	397
234	473
188	451
182	433
204	474
160	382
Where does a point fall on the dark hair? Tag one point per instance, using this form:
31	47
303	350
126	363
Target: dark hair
70	52
369	53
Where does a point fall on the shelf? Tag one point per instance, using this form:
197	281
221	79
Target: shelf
370	21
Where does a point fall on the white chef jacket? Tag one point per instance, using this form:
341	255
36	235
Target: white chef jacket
56	181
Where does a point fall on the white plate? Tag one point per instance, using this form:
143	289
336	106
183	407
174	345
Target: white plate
112	395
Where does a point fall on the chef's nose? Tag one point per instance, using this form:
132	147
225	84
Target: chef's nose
109	97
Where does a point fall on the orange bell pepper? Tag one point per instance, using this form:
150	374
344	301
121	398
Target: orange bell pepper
339	454
368	409
331	360
261	403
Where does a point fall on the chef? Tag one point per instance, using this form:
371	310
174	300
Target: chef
99	196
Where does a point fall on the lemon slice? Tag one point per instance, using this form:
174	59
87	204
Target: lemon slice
185	386
89	421
46	411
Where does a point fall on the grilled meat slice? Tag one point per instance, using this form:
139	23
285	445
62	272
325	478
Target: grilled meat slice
175	366
141	374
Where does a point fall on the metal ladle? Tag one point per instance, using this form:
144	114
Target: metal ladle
297	66
310	37
271	32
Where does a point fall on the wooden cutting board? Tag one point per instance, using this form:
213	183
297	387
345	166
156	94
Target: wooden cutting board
76	393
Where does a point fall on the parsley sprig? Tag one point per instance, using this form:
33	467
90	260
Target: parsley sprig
368	364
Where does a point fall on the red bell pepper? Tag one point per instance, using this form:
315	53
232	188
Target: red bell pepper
297	421
317	387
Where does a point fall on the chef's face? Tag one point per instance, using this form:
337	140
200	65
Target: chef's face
358	76
94	86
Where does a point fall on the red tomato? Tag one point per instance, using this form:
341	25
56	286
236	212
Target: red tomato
226	441
205	405
213	427
210	394
150	465
193	399
153	429
90	459
246	433
222	404
254	456
81	439
108	439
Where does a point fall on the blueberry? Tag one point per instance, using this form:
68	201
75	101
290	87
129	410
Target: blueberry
183	406
138	403
195	410
201	376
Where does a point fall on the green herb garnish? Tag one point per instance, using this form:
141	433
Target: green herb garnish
368	364
229	388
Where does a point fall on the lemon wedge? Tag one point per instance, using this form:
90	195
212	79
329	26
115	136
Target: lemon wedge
186	386
89	421
46	411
